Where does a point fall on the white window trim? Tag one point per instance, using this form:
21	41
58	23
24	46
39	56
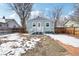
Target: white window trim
33	23
47	26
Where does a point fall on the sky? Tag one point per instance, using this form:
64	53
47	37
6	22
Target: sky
37	8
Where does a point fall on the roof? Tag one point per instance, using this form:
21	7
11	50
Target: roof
2	21
72	23
9	20
40	18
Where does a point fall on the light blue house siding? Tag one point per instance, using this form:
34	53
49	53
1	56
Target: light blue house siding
40	24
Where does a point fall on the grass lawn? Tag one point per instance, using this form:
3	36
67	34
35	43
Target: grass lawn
46	47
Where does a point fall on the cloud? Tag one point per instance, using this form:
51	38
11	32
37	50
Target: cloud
1	4
70	13
46	8
33	14
13	15
0	16
36	13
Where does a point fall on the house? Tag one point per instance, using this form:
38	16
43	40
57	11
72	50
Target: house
11	23
40	24
6	25
71	23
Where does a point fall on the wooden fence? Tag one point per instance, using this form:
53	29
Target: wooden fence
67	30
20	30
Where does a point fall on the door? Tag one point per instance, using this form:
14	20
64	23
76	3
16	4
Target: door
39	27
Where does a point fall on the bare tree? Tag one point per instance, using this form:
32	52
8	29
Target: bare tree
23	10
56	14
75	15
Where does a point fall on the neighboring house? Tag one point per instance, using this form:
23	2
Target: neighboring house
3	25
71	23
8	23
40	25
11	23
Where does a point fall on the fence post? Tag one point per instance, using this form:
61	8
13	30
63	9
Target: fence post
74	30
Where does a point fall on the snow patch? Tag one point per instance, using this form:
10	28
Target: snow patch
65	39
17	47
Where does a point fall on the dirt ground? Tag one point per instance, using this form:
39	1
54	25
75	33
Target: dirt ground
50	47
73	51
47	47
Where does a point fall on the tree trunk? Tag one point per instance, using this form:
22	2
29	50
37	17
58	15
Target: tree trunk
24	29
55	25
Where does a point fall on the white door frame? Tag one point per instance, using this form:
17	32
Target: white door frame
39	27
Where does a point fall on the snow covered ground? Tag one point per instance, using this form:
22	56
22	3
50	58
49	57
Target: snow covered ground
16	44
65	39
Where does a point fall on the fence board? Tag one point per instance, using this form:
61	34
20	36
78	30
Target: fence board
11	30
68	30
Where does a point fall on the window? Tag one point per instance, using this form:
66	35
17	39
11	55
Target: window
34	25
47	24
38	24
